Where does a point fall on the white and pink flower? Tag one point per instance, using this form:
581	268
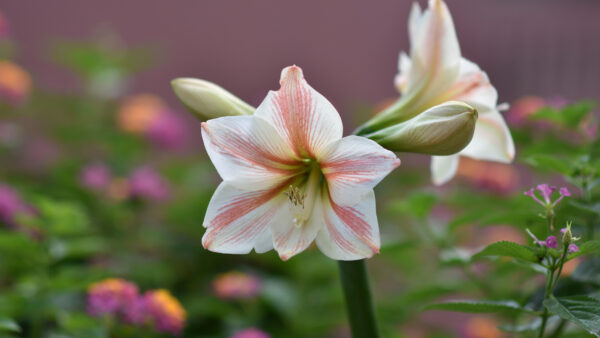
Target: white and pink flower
289	178
436	72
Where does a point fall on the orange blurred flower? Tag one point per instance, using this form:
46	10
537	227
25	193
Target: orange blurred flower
138	112
236	285
167	312
489	175
569	267
481	327
15	82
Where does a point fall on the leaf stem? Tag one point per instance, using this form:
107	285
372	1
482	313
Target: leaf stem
355	284
551	281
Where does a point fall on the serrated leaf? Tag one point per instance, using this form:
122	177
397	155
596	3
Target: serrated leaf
589	247
475	306
9	325
508	249
581	310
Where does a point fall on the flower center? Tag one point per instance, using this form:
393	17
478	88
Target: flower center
301	199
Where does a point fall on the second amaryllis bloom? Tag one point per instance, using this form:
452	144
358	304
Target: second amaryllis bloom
289	178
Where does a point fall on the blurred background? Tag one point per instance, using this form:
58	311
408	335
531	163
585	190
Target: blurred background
104	180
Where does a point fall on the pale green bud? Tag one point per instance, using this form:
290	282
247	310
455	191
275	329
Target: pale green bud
207	100
444	129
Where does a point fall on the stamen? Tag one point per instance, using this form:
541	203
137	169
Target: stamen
301	201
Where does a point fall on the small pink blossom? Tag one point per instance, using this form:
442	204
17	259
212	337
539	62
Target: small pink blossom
573	248
251	333
95	176
146	183
547	192
551	242
168	131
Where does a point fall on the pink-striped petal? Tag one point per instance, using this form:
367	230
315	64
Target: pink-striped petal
443	168
302	116
349	233
353	166
248	152
473	87
288	239
238	220
492	140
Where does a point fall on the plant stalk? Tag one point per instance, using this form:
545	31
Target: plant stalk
357	294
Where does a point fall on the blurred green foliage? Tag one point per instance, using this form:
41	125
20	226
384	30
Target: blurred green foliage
432	237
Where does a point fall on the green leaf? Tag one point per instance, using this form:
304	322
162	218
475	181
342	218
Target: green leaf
530	326
581	310
9	325
508	249
589	247
418	204
475	306
549	161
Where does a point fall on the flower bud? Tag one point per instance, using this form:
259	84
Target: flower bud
567	238
207	100
441	130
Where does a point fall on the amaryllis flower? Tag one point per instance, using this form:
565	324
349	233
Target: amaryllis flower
290	178
434	73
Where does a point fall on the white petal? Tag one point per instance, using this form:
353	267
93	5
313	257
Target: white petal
353	166
349	233
401	79
288	239
443	168
435	52
247	151
302	116
492	140
414	21
237	219
473	87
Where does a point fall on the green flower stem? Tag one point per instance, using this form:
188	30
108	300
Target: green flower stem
357	294
551	281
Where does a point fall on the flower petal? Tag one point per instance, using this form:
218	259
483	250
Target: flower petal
401	79
302	116
350	233
473	87
247	151
435	52
492	140
288	239
238	220
443	168
353	166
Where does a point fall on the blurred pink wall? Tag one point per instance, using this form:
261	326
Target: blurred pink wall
348	49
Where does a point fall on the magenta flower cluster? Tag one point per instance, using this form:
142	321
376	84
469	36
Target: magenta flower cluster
547	192
143	183
11	206
121	299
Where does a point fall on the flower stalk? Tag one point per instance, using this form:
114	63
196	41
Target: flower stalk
357	294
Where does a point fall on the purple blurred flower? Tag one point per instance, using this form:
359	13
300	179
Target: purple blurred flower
136	312
12	205
146	183
111	296
251	333
165	311
547	191
95	176
168	131
573	248
551	242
